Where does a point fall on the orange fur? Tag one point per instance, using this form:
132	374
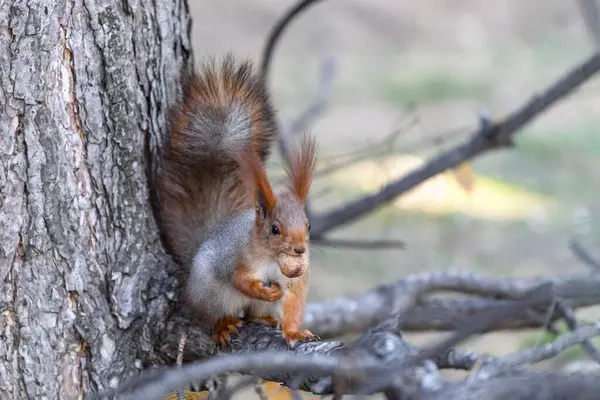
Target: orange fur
269	321
302	167
293	311
252	287
224	328
253	174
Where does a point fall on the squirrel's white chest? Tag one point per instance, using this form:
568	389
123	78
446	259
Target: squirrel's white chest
269	273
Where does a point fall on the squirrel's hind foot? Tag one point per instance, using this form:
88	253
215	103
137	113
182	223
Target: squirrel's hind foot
305	335
224	328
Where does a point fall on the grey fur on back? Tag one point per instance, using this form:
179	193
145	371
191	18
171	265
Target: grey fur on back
208	289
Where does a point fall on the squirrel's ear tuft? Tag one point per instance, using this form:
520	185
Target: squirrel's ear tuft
302	167
253	174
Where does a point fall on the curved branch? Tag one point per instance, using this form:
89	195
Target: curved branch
486	138
353	313
278	30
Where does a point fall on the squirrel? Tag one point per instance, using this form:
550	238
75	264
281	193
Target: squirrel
245	248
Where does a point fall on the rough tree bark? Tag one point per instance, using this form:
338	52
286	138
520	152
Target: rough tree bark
84	85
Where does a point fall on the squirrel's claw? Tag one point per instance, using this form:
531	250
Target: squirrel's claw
303	336
224	328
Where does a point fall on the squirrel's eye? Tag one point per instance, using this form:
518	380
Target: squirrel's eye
308	228
275	229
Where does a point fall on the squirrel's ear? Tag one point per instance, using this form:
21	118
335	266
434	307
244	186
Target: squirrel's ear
263	206
302	167
253	174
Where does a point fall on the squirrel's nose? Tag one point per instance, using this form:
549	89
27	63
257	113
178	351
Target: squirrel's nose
299	250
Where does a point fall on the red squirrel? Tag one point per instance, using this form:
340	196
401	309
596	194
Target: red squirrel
245	247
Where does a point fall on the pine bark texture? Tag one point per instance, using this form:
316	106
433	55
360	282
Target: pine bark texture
84	86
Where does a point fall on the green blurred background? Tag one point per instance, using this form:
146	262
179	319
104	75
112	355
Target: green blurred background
427	68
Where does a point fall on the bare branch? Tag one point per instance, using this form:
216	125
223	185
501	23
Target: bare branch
476	324
379	356
278	30
521	385
375	150
448	314
498	135
583	255
569	317
317	105
456	359
360	244
537	354
351	314
590	12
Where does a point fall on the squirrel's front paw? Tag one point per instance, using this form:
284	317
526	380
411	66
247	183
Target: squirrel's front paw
292	337
270	293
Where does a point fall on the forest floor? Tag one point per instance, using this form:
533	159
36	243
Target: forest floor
441	63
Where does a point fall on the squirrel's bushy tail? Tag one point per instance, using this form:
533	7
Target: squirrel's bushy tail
224	109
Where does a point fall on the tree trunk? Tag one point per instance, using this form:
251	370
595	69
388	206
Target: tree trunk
84	89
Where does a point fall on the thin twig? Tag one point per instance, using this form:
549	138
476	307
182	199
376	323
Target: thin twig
360	244
313	110
182	339
278	30
571	321
590	12
496	136
538	354
317	105
583	255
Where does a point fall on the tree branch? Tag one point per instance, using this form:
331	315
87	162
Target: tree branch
569	317
590	12
359	244
497	366
278	30
351	314
486	138
583	255
379	360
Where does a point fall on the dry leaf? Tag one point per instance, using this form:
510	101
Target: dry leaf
189	396
275	391
465	176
